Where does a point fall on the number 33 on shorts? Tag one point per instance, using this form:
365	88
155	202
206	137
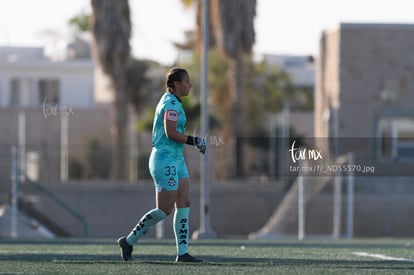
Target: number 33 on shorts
170	170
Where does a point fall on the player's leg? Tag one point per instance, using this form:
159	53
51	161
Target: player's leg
166	186
181	222
181	216
165	176
165	203
164	206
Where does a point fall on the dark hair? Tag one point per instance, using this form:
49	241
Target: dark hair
175	74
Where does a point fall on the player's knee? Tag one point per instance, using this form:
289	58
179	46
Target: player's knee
167	210
187	203
183	204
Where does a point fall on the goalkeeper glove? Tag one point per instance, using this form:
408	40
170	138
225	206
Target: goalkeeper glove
199	142
201	145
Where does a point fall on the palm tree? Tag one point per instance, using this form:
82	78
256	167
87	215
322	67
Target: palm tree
232	32
211	40
111	27
233	24
81	22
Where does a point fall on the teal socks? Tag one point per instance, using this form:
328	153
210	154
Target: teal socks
181	229
145	224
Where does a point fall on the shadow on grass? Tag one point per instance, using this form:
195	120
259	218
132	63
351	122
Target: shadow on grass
354	244
46	257
210	260
59	241
305	244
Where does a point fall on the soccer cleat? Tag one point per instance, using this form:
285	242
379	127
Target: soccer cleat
187	258
126	249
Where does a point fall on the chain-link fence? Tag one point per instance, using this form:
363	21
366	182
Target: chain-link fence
76	162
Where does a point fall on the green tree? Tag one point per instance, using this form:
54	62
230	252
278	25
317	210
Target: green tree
233	23
81	22
111	27
211	39
136	83
232	33
265	91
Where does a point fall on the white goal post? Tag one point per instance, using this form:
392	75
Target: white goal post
307	187
337	200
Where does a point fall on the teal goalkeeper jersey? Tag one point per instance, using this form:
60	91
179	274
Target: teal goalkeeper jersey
169	107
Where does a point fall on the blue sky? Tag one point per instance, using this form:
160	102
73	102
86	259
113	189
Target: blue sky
282	26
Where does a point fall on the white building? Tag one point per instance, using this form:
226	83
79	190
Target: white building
301	68
29	79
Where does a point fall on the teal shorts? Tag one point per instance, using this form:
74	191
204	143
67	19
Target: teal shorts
166	170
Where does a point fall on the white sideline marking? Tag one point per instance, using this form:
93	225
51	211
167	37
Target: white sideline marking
382	257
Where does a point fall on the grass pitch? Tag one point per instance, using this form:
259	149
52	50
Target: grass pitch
69	256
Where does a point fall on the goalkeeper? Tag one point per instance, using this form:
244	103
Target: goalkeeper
168	168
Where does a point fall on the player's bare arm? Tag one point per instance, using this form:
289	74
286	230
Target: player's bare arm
172	133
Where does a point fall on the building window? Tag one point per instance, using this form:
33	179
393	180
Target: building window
49	91
396	139
21	94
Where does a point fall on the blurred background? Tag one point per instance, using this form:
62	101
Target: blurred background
310	109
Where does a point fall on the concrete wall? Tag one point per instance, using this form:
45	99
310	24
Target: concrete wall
365	74
113	208
357	63
327	86
373	58
237	208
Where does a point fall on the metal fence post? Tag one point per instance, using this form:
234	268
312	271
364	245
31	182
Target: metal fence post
337	210
301	208
14	193
350	202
